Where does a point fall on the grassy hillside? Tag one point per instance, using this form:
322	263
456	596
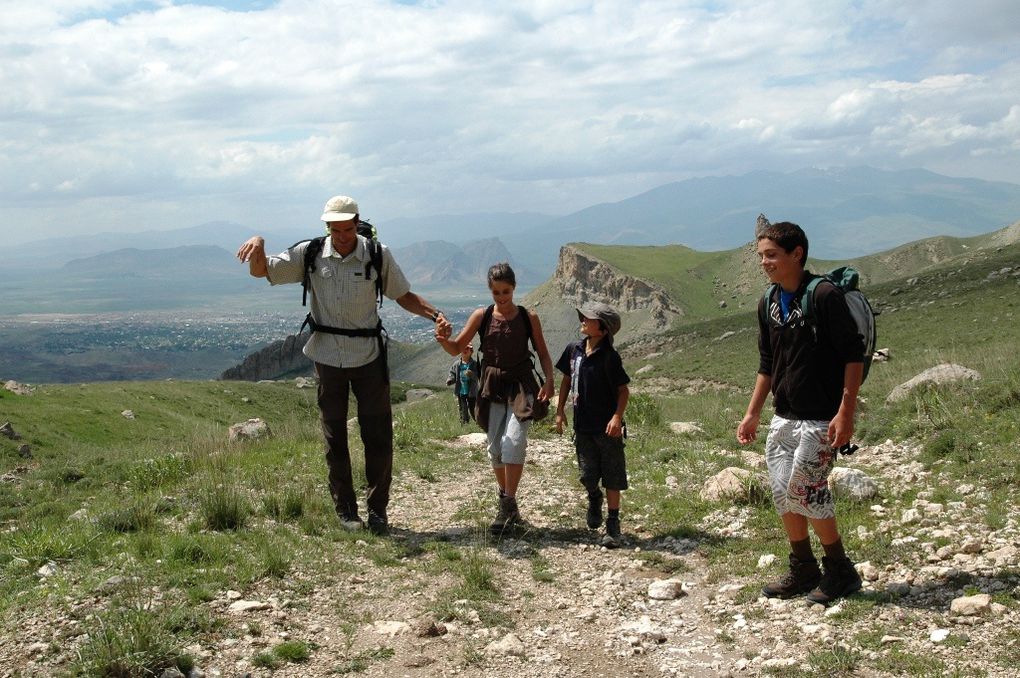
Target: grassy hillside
698	281
146	523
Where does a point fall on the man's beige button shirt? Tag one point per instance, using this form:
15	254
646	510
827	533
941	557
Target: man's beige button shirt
341	297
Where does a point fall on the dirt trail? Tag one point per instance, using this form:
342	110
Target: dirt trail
568	607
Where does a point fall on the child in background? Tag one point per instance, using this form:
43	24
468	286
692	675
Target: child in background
464	379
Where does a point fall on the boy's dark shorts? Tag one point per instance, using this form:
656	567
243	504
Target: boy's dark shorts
600	457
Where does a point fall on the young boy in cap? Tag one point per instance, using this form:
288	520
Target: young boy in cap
813	367
594	378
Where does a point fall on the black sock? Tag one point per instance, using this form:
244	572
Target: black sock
614	513
835	550
802	549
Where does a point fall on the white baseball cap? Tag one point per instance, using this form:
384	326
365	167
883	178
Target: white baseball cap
340	208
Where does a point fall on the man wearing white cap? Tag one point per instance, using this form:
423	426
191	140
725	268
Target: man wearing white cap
347	346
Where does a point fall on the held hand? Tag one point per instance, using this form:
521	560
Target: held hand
561	420
841	429
249	247
546	392
747	431
614	429
443	327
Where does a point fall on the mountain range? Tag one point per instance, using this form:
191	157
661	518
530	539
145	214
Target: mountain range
849	212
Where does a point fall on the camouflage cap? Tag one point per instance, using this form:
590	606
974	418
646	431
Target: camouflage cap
602	312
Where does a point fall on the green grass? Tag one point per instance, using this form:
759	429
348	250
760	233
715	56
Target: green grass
168	502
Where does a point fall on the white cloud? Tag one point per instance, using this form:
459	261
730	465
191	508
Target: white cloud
178	112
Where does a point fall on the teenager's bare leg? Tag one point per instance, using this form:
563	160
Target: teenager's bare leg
826	530
613	499
512	478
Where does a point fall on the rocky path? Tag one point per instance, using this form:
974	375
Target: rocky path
565	605
440	597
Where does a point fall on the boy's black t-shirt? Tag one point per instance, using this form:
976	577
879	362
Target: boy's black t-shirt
807	373
594	382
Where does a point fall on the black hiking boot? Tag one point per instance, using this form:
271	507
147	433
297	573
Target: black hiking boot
506	517
839	579
377	523
594	515
612	538
803	576
350	520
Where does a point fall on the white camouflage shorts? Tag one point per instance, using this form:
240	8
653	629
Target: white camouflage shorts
799	462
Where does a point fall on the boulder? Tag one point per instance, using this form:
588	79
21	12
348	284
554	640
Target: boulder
732	483
7	431
18	389
666	589
851	483
418	394
971	606
253	429
940	374
685	427
509	646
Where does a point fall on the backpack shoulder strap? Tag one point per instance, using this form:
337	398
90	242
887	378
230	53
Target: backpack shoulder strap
375	257
527	324
807	301
763	312
312	253
484	327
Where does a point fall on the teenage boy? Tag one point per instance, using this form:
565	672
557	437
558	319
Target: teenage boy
593	374
813	368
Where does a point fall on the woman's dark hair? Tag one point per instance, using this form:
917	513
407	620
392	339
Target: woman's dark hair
788	236
502	272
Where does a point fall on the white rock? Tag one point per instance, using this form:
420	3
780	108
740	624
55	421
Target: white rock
910	517
47	570
128	414
852	483
730	483
418	394
868	571
888	640
938	635
390	628
686	427
509	646
645	370
245	606
253	429
940	374
666	589
971	606
766	560
80	514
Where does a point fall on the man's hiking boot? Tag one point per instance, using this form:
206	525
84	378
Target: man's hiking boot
506	517
351	521
839	579
803	576
594	515
377	523
612	538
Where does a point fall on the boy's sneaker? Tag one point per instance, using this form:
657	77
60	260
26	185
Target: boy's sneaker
594	515
507	515
351	521
377	522
839	579
612	538
803	576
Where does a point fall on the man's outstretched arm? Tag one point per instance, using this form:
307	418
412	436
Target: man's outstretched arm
253	252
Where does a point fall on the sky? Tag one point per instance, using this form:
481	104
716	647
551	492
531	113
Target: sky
130	116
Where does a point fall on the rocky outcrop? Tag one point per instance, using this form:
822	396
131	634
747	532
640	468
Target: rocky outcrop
582	278
279	359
